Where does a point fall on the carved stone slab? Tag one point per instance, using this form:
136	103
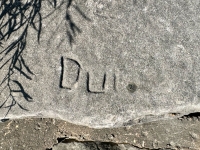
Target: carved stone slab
101	63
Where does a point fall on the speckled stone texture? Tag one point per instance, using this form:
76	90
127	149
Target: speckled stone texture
104	63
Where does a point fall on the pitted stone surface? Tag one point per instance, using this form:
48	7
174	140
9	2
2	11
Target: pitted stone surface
106	63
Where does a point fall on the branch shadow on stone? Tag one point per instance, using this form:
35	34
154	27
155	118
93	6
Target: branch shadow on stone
18	17
72	28
14	18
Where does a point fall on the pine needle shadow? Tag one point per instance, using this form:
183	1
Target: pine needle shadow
72	28
16	18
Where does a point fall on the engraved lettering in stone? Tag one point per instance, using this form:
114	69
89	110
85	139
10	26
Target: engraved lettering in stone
114	82
96	84
96	81
70	73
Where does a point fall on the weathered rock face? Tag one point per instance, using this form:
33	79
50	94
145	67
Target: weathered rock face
101	63
93	146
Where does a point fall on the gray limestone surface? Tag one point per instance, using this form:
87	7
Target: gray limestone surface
100	63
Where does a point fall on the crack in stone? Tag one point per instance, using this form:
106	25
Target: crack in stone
191	117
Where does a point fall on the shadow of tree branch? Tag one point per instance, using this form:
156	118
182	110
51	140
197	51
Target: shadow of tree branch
16	15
